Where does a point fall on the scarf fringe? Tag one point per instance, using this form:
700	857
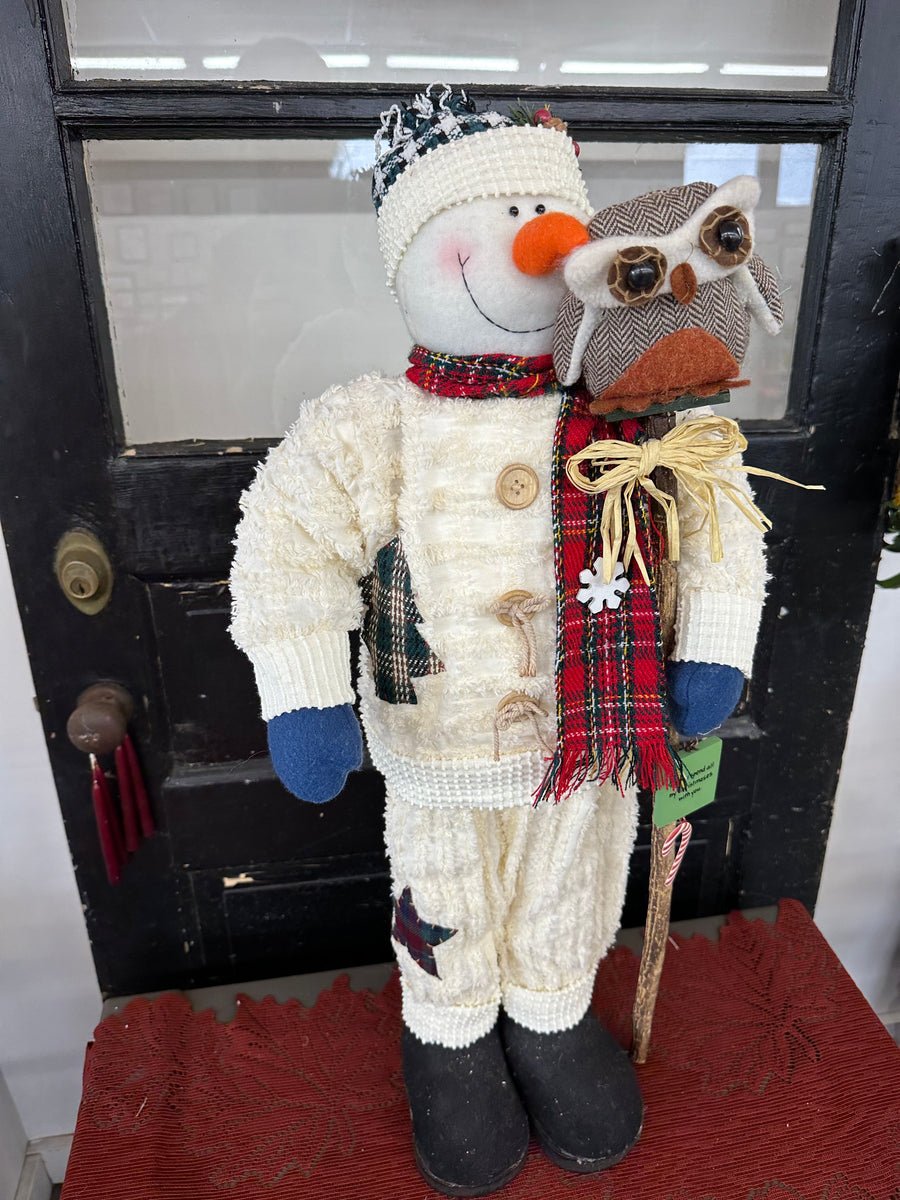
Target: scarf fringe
658	766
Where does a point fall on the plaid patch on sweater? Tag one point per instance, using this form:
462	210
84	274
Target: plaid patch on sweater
398	651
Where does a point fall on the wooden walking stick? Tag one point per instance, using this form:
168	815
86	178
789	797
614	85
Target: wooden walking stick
657	930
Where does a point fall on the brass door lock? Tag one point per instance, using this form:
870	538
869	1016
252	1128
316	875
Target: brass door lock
84	571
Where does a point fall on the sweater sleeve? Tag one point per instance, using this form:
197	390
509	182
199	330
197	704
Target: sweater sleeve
719	604
312	521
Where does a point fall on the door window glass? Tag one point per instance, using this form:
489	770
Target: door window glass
780	44
244	276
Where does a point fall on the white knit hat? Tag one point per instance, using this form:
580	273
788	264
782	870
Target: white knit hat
442	153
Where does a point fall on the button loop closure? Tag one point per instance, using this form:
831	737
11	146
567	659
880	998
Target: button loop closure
516	609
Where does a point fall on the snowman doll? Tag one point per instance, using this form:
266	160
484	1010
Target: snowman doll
419	510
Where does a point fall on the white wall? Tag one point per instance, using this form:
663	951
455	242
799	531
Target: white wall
12	1142
859	900
49	999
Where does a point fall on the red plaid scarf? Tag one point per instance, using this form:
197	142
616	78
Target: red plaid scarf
480	375
610	675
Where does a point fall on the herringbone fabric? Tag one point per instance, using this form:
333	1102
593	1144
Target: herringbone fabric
654	212
623	334
568	322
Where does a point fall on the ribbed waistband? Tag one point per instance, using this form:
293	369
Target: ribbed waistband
460	782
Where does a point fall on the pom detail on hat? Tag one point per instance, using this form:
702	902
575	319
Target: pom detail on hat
438	152
410	130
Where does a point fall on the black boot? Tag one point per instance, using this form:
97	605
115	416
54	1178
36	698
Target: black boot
470	1130
580	1091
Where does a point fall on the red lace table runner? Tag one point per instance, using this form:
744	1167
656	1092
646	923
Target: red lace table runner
770	1079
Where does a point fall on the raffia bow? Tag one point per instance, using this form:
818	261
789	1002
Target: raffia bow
692	452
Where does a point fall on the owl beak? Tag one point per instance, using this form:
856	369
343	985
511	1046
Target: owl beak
683	282
542	243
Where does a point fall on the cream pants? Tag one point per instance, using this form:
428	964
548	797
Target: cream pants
512	906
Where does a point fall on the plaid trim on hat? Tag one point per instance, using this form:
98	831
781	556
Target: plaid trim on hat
390	631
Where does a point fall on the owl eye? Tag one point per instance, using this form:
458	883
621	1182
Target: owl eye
725	236
636	274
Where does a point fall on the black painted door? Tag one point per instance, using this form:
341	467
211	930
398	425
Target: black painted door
242	880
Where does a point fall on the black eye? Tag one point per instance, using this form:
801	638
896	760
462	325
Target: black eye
730	235
540	208
513	212
641	277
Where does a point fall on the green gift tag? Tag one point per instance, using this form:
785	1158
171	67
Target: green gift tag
701	772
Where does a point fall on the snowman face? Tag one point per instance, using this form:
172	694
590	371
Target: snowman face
460	290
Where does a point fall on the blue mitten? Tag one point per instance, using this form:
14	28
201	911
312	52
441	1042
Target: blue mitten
314	749
702	695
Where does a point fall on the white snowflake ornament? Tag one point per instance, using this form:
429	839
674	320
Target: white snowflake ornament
596	593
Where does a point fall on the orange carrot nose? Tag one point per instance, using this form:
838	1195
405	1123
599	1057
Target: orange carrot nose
543	243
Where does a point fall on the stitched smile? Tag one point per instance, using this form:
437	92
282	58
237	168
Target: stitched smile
462	270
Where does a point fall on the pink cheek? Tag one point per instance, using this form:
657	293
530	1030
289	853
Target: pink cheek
449	256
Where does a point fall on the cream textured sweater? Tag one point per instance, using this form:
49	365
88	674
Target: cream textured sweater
380	457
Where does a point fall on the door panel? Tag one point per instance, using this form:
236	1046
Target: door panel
176	512
223	816
242	879
208	683
327	921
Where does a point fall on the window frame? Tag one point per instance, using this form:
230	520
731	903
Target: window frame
185	109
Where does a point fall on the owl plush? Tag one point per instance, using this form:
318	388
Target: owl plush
660	300
511	720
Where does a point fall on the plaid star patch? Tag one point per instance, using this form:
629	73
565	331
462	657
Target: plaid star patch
418	936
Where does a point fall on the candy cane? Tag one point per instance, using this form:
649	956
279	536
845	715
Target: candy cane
683	830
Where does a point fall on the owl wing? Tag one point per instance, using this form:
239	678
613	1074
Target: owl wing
757	289
575	323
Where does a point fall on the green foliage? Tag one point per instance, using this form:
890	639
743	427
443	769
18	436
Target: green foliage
522	114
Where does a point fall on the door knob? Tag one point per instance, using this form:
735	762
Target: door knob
99	722
99	726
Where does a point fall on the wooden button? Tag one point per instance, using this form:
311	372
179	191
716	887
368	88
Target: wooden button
521	698
508	597
517	486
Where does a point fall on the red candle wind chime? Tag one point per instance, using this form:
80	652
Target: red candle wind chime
99	726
